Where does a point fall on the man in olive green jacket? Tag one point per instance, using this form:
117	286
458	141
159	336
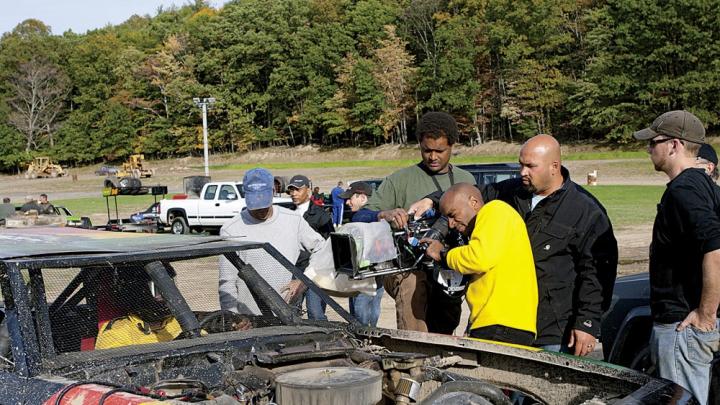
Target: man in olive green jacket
420	304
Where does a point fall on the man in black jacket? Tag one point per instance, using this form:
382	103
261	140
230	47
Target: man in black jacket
574	248
299	190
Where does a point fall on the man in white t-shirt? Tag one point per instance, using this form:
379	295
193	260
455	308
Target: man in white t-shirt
263	222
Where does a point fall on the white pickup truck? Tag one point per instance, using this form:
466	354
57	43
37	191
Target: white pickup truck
218	202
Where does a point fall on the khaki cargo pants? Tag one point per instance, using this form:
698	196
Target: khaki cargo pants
420	306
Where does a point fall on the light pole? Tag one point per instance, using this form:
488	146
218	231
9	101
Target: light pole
204	103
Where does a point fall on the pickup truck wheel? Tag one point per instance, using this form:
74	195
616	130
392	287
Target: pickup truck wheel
179	226
642	361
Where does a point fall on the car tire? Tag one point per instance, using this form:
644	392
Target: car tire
125	182
642	361
179	226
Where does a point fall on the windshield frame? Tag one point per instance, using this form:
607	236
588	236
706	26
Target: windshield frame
31	338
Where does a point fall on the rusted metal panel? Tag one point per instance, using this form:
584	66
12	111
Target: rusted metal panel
91	394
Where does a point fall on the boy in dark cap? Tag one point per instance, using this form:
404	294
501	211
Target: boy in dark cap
707	160
365	308
356	197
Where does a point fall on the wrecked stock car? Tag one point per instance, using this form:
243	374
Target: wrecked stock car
65	290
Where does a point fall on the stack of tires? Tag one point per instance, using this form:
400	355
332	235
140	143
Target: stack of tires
126	185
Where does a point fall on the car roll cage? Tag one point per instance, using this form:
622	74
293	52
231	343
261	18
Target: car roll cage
28	315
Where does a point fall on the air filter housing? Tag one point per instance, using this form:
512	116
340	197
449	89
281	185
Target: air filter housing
329	385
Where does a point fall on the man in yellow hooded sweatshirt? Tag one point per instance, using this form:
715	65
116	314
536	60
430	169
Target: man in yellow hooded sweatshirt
503	293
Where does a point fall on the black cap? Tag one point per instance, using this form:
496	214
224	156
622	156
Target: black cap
298	181
707	152
359	187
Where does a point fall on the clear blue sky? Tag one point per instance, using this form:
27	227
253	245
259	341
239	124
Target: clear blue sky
80	15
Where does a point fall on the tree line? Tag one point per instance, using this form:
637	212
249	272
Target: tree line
354	72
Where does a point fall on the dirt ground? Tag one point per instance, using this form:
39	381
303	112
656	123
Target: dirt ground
82	182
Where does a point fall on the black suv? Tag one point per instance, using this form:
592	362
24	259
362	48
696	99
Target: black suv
486	173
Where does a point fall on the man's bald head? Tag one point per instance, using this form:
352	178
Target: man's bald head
460	191
544	145
460	204
541	165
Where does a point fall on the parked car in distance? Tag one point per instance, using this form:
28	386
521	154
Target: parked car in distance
150	214
218	203
107	171
61	216
486	173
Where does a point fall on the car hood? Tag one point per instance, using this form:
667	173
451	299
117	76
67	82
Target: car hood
50	241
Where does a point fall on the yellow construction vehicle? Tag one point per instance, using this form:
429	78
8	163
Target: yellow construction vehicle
42	166
134	167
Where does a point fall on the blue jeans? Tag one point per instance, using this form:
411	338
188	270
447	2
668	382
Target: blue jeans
315	306
560	348
366	308
684	357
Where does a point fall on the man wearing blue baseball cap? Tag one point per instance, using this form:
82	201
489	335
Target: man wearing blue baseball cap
261	221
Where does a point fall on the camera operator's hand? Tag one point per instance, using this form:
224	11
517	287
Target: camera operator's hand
397	218
433	249
418	208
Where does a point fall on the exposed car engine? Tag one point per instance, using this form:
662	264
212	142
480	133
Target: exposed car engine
333	369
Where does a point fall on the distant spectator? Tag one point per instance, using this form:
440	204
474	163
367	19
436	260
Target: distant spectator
6	209
279	186
30	204
707	160
44	206
364	307
317	197
337	204
299	190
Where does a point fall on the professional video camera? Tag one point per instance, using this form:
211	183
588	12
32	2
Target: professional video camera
363	250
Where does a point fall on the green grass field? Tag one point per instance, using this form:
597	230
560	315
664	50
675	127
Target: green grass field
629	205
96	205
626	205
406	162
